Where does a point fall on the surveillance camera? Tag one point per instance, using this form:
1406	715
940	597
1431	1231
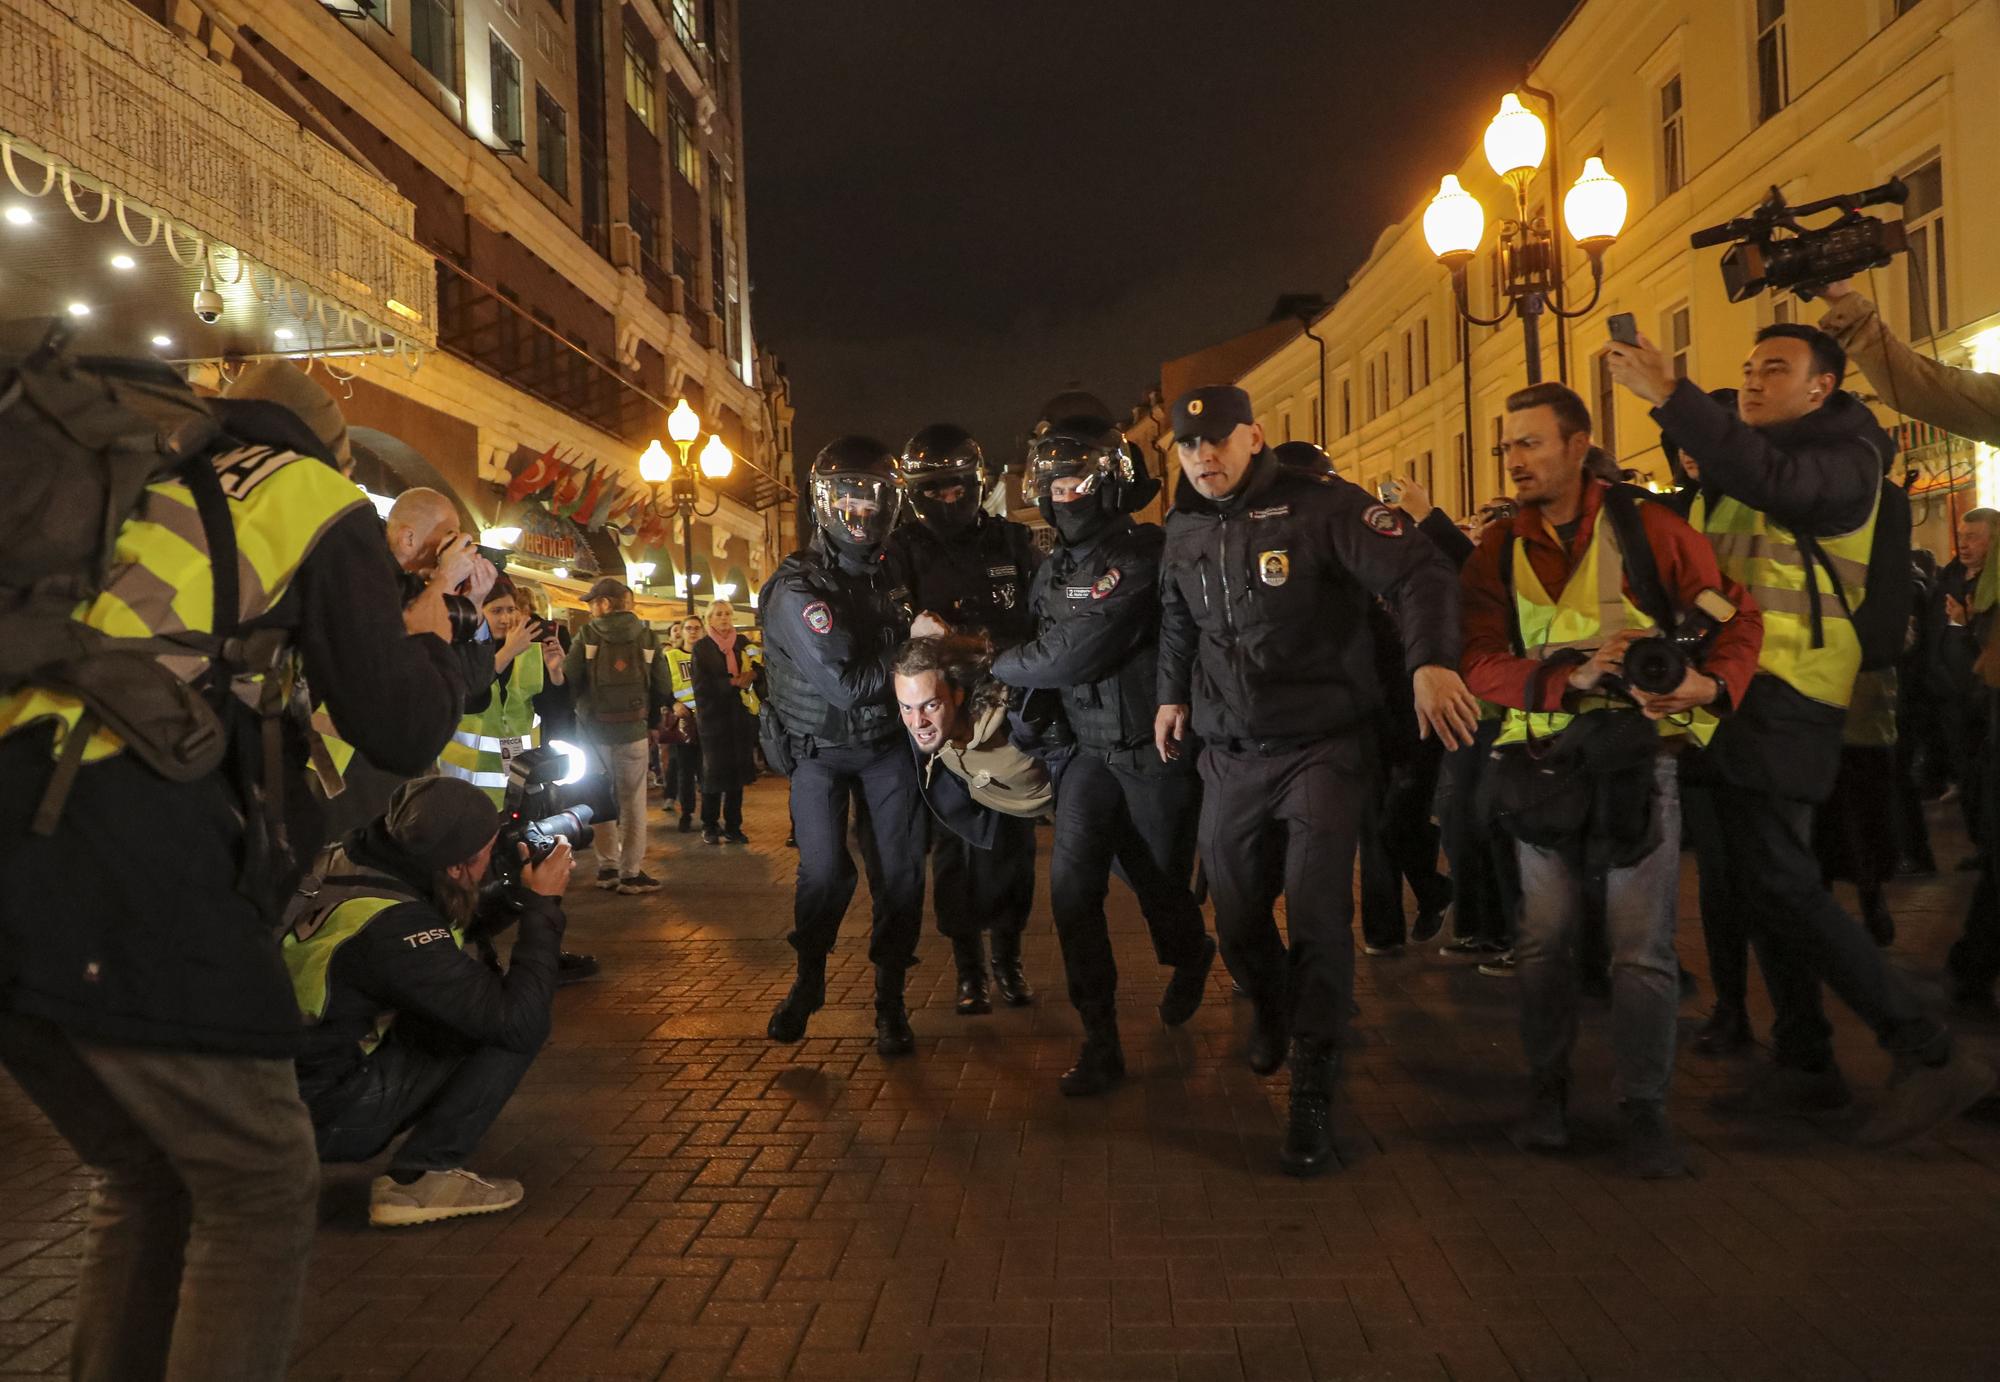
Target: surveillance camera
208	305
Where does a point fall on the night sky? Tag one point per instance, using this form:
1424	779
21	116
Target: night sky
958	207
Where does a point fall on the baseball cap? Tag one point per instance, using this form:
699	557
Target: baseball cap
1211	413
607	588
441	820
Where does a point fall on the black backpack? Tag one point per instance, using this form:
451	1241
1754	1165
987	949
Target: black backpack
85	436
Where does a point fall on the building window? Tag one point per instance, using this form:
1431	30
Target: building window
1312	417
1463	458
1782	311
1923	223
1499	456
1371	390
1903	7
504	81
639	88
646	226
551	141
684	24
687	154
1607	405
379	12
1457	338
1673	137
1424	347
1428	472
1409	363
1383	376
1774	77
1680	338
1346	407
432	25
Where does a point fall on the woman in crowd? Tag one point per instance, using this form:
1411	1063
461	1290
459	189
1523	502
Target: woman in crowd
723	666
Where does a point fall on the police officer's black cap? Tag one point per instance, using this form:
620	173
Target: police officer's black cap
854	454
1211	413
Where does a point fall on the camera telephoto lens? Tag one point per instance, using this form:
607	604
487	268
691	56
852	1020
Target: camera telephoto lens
1655	666
464	616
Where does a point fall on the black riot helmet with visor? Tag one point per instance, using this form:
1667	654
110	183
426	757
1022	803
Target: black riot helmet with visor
855	494
944	475
1097	461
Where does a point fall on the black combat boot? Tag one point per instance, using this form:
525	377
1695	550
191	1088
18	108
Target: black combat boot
893	1036
1267	1038
1101	1062
970	957
1309	1132
1183	993
1007	975
788	1021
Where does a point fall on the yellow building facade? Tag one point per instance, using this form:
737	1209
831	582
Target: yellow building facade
1698	107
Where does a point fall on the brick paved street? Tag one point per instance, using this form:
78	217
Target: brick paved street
702	1204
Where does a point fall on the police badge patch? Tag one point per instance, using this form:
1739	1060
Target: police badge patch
1105	584
818	617
1383	520
1274	567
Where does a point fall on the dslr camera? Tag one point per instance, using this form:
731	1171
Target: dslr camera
541	809
1769	249
464	615
1659	665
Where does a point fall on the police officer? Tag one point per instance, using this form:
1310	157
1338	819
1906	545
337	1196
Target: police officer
833	618
1264	629
969	572
1096	604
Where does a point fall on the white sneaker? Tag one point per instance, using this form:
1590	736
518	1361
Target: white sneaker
438	1195
607	876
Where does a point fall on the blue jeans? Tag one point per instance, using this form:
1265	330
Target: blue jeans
1639	907
443	1089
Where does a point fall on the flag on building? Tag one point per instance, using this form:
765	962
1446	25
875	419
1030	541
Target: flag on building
531	476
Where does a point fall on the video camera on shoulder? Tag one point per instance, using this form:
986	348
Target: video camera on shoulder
1659	665
1769	249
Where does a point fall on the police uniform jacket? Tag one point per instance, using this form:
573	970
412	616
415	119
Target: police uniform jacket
1097	615
829	636
977	580
1264	604
407	961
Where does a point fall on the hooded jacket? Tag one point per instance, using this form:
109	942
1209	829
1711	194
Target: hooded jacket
1264	605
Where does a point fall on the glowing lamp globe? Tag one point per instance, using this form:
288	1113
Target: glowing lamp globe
1454	222
654	467
715	458
1594	209
682	424
1516	141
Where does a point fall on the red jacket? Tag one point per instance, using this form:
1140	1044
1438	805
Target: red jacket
1687	567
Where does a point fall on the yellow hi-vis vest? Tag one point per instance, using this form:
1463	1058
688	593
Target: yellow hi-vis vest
680	667
1591	608
487	739
752	653
281	504
1765	556
309	947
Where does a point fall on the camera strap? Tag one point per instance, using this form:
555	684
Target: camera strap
1642	568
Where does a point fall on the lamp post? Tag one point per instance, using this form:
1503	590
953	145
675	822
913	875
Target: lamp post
1455	222
684	493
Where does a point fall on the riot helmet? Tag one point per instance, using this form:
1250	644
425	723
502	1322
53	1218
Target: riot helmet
1097	457
855	496
944	477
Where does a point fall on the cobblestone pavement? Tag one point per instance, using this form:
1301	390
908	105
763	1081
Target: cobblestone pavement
702	1204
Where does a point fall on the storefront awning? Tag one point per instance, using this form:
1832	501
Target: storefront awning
137	173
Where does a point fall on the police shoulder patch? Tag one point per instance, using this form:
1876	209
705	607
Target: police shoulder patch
1383	520
1104	584
818	617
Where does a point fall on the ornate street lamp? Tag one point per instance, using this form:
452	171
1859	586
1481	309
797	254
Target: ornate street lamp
1593	212
684	492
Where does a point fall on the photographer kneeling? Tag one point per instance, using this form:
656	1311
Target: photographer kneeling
1558	604
409	1031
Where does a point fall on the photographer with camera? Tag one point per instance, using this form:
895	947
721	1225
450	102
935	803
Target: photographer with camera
144	1008
1557	604
528	688
1790	481
408	1031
